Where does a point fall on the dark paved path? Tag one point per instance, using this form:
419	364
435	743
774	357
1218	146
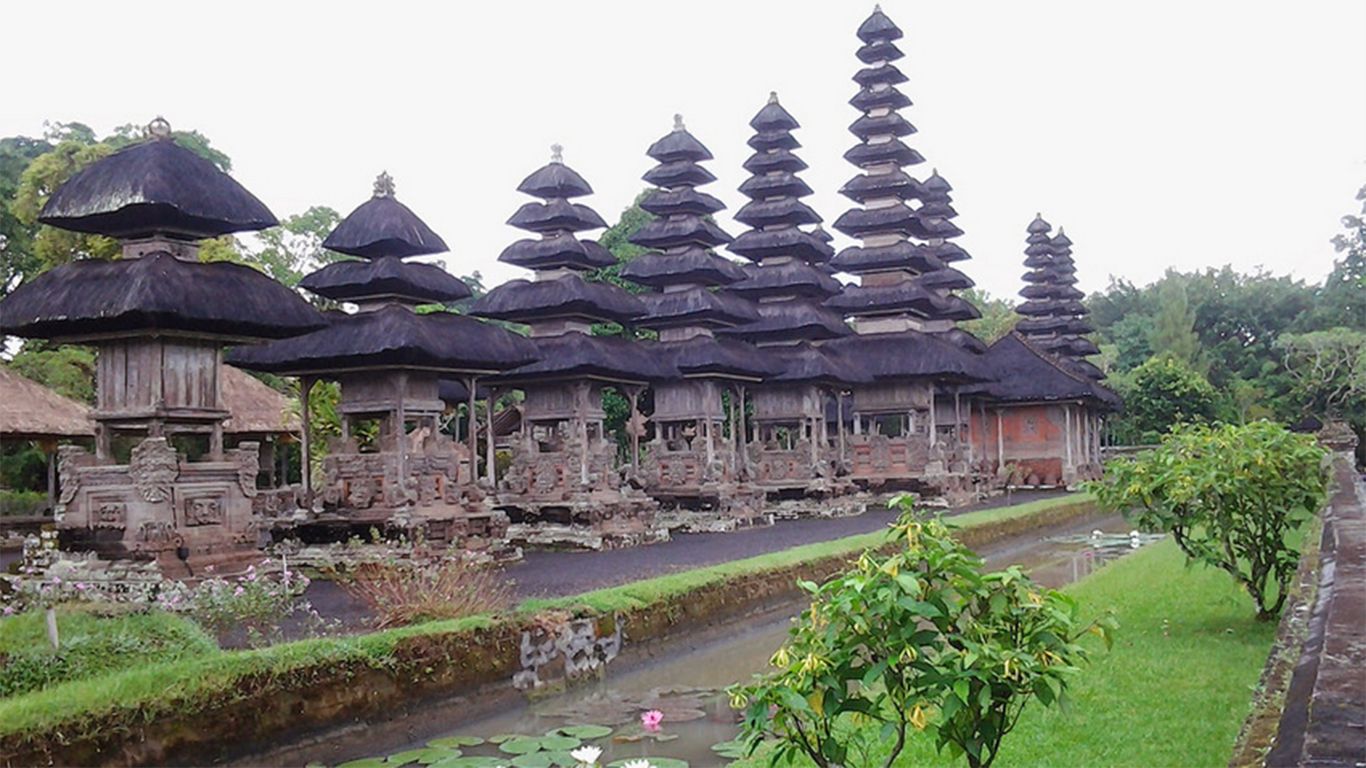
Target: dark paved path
555	574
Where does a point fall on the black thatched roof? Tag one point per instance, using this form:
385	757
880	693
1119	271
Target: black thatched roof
569	296
682	232
557	215
392	336
901	255
896	219
562	250
382	226
455	392
1066	346
681	201
1050	306
773	212
156	186
355	280
805	362
1023	373
725	358
779	184
907	354
1040	325
695	307
946	278
790	321
895	151
576	355
691	266
868	186
678	145
156	292
963	340
907	296
794	278
878	27
761	244
555	179
878	50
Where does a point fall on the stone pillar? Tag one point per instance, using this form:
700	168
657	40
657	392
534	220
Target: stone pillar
1000	442
839	421
633	395
1067	435
401	433
934	426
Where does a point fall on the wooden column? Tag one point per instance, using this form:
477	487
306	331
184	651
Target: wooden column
934	420
216	441
839	419
957	420
742	457
50	450
306	440
490	452
1000	442
472	382
401	432
1067	434
581	410
633	395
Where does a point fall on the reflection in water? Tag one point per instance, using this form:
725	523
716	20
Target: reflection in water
686	684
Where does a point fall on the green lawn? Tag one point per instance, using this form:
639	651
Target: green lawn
1174	690
92	645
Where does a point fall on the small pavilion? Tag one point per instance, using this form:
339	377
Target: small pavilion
160	484
392	463
30	412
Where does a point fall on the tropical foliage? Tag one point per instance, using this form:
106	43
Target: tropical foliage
1231	496
921	639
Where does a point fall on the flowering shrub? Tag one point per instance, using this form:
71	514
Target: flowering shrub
252	603
1230	496
408	592
921	639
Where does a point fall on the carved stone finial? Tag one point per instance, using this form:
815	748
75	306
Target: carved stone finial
1060	232
772	97
384	185
877	7
159	128
556	153
678	122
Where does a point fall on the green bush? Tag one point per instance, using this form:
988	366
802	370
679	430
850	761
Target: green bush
19	503
1231	496
91	645
920	639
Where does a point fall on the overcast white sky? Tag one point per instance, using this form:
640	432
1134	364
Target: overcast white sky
1159	133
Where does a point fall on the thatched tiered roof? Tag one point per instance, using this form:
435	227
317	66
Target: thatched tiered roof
254	408
787	282
31	411
1054	319
1024	373
155	187
157	292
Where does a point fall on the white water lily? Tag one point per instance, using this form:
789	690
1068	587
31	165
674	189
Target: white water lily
587	755
637	764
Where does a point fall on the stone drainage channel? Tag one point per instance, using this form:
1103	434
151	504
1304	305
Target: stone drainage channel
685	680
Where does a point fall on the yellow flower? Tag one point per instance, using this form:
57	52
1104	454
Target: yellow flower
908	655
812	663
781	658
918	718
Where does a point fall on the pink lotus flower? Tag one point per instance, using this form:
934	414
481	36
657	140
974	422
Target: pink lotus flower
650	720
238	592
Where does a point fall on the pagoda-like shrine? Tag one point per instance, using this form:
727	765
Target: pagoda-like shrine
694	460
392	463
160	485
564	485
909	423
792	448
1049	406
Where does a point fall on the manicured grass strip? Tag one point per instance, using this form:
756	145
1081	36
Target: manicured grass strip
637	594
152	691
1172	692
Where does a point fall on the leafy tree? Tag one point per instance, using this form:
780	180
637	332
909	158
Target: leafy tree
67	369
918	639
1230	496
294	248
1173	331
17	259
1329	368
617	240
1342	300
998	315
1131	340
1159	394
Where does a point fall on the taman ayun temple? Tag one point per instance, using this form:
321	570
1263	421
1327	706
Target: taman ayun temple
766	372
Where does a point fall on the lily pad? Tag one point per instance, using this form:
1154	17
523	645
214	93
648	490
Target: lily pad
432	755
404	758
734	749
586	731
520	745
657	762
364	762
471	761
450	742
502	737
555	742
533	760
